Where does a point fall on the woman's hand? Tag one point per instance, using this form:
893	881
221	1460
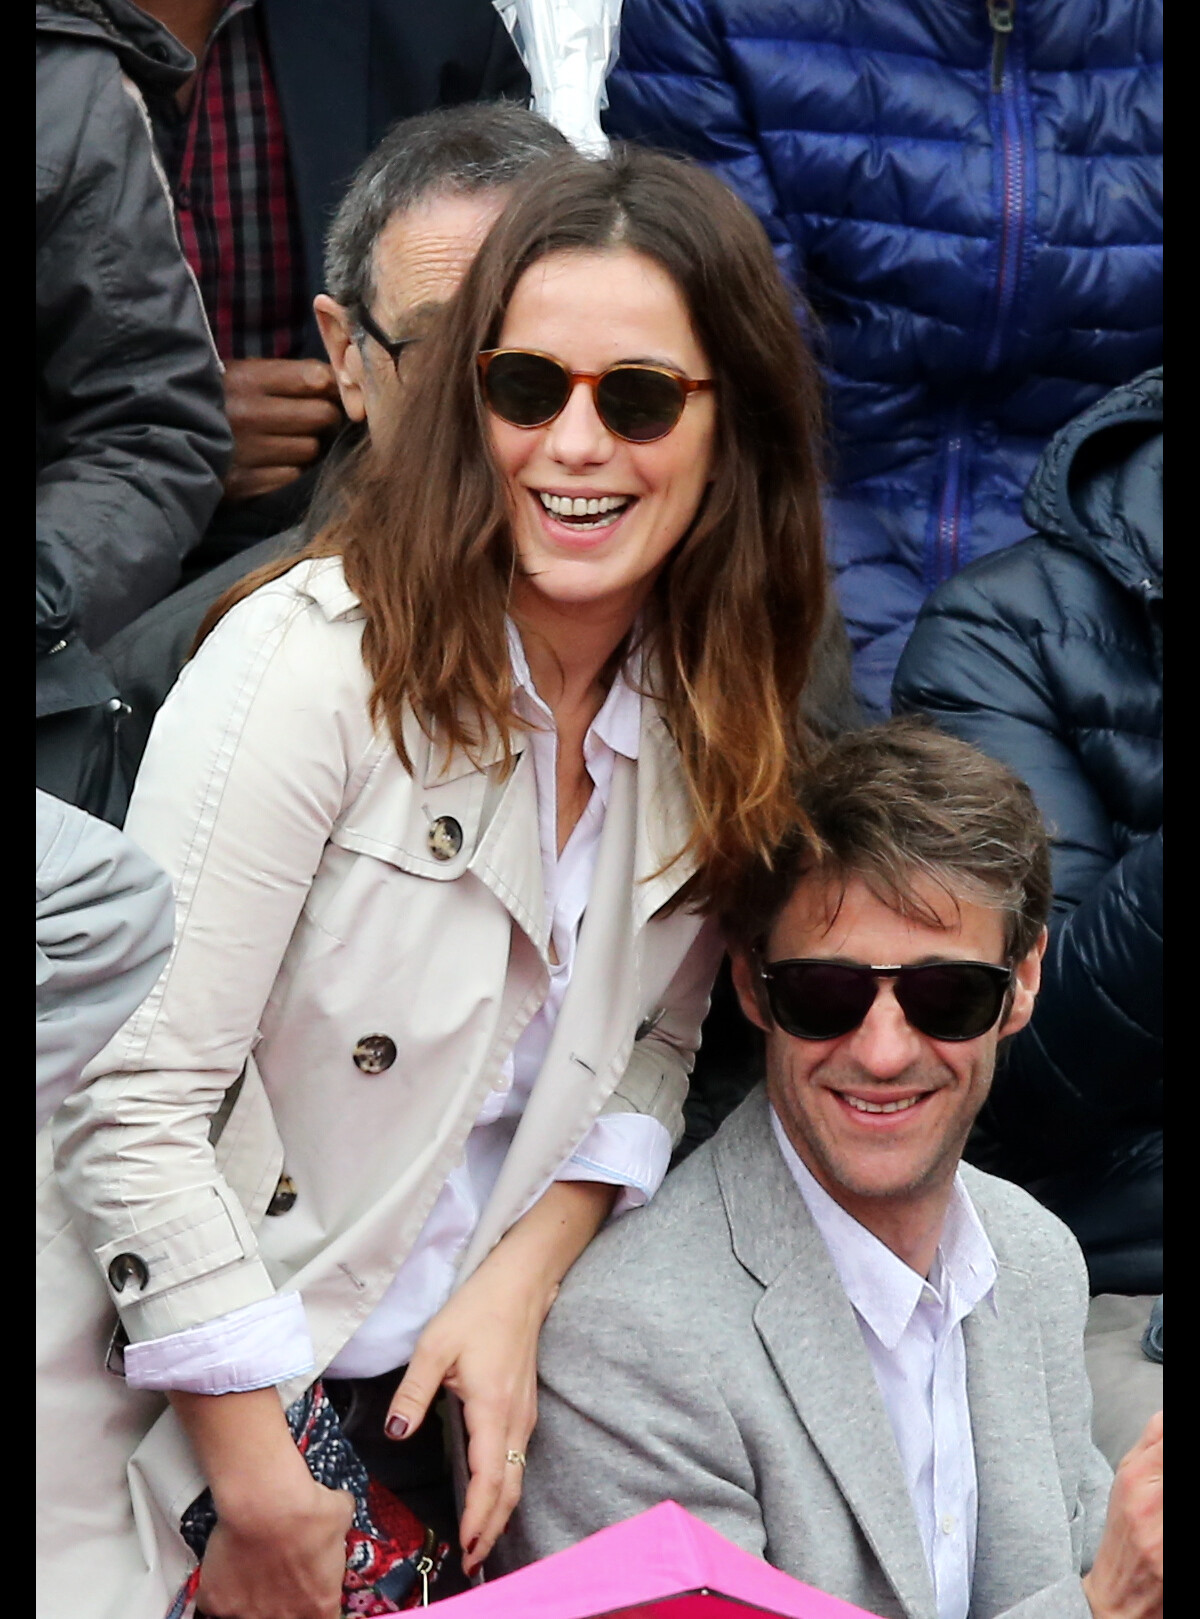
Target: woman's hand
483	1346
279	1548
286	1560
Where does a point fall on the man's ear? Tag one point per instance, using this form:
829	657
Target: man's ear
1026	983
749	988
337	333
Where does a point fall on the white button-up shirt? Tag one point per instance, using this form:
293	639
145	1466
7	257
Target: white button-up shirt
912	1329
267	1343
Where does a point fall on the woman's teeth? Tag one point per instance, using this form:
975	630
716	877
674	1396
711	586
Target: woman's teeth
578	509
879	1107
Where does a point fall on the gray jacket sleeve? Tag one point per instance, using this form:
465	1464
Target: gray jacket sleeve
627	1417
132	436
105	920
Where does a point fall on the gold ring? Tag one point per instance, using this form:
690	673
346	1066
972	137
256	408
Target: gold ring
516	1457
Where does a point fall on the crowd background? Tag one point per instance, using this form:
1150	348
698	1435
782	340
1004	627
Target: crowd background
966	202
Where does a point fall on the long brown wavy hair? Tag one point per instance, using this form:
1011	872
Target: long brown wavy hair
421	516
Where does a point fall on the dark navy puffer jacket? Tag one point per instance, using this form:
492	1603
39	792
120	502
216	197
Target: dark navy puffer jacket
984	263
1049	657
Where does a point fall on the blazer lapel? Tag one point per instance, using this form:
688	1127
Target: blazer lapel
811	1334
1019	1479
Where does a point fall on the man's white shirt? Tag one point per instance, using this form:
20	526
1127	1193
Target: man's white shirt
912	1329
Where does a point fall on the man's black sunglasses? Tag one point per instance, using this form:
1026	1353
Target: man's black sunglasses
394	346
816	999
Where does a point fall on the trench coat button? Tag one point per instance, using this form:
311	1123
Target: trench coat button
444	838
128	1270
284	1196
374	1053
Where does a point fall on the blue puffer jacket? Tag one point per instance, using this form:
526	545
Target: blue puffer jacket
984	263
1049	657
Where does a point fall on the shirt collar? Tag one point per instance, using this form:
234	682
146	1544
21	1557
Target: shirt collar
618	724
882	1288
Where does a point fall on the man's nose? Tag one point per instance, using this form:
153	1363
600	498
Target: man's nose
885	1044
577	437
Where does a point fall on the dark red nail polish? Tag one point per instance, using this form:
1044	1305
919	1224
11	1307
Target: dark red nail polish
396	1426
471	1547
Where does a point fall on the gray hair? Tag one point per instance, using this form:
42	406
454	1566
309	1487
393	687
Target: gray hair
452	151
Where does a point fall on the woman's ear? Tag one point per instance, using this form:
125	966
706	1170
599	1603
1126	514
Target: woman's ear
337	333
1027	980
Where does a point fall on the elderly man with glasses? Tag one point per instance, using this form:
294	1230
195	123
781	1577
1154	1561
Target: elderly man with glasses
400	243
827	1337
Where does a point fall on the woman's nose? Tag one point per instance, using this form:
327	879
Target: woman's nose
577	437
885	1043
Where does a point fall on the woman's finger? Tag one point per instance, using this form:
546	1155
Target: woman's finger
487	1427
415	1392
503	1507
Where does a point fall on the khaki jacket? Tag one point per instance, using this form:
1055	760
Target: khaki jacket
319	902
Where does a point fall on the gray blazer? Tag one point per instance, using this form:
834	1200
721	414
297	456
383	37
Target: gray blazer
703	1351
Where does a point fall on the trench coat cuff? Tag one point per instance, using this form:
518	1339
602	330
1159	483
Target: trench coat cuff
252	1348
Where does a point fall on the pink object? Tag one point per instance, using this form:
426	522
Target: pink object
662	1563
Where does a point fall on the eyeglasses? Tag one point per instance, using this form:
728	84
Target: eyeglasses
394	346
946	1000
638	403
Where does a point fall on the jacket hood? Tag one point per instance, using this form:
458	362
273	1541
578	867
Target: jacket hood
147	51
1098	486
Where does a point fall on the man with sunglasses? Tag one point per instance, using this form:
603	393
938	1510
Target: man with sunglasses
842	1348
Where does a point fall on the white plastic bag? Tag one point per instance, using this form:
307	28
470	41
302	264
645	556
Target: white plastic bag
568	47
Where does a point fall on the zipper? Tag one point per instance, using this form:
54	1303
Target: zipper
1014	177
1000	16
949	519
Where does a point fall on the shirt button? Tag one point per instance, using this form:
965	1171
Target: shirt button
374	1053
947	1524
444	838
128	1270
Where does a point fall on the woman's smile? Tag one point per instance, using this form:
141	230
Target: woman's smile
595	516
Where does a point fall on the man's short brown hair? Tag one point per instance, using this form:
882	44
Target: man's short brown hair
901	801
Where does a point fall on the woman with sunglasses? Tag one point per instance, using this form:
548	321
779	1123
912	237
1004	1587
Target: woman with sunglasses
447	805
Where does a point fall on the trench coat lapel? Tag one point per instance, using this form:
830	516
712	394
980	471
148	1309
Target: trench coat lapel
811	1334
508	858
647	808
663	820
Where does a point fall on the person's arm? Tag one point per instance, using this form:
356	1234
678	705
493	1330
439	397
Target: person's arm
629	1415
244	777
103	930
132	436
483	1346
278	1550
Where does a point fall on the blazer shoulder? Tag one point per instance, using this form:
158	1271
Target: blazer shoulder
1024	1234
661	1252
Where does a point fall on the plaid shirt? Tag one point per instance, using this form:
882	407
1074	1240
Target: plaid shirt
234	198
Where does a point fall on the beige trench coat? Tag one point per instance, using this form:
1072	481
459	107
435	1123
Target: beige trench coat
312	912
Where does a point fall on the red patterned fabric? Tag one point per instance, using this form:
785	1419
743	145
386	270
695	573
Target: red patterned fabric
237	215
